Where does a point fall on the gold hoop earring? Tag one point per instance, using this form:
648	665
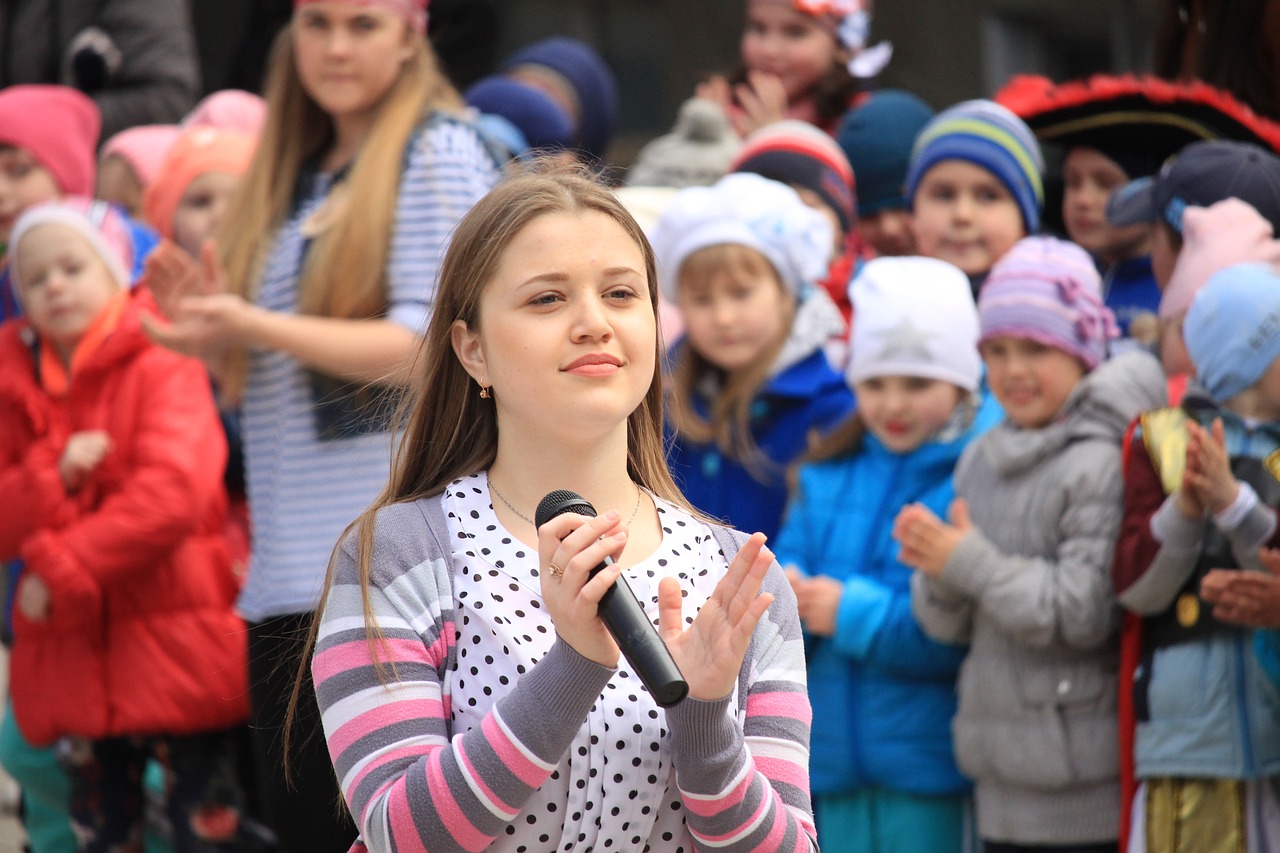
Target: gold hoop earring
484	392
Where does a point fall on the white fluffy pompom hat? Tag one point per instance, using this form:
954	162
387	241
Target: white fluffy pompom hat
748	210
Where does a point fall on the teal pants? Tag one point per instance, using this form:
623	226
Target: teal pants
876	820
46	792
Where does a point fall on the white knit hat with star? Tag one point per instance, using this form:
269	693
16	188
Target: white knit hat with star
914	317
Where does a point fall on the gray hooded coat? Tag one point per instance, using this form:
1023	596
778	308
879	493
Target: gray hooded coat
1029	589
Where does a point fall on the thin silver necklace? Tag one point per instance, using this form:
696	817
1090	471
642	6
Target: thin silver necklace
634	512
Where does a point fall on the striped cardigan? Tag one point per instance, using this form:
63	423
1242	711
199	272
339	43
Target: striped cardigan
414	784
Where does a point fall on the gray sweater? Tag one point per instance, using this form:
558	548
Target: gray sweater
1029	588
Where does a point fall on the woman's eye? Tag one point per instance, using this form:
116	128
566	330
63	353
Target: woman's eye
545	299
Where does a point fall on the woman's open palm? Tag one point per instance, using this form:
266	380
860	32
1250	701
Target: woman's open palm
710	651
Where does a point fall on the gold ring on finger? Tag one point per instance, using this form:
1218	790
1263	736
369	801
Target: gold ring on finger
554	570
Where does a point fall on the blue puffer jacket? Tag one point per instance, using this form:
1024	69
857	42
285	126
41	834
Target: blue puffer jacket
883	693
805	398
1266	647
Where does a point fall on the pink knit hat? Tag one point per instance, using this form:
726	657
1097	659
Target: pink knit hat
414	12
143	148
1221	235
1048	290
97	221
229	109
198	150
57	125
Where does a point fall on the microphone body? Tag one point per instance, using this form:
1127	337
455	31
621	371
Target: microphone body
623	615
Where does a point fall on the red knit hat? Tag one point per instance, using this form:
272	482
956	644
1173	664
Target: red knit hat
797	153
59	127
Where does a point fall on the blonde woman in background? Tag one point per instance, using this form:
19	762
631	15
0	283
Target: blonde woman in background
306	309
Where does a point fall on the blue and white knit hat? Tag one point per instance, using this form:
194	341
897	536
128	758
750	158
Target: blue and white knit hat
1232	329
986	134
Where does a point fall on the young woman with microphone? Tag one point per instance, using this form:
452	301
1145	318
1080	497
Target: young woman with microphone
471	696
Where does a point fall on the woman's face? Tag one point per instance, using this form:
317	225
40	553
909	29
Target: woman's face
566	334
348	56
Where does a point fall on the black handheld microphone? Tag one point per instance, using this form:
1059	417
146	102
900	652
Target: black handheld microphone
623	616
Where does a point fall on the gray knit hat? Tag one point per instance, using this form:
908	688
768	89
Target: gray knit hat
696	153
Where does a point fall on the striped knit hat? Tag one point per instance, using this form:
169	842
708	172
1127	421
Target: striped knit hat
988	135
796	153
1048	290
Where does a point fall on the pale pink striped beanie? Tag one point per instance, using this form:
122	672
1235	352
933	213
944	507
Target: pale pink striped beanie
1048	290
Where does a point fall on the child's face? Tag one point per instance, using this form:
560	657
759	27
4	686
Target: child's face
566	335
23	183
119	185
1165	246
348	56
201	208
1173	349
1267	405
1031	380
889	232
65	284
1090	177
789	44
813	200
963	214
732	319
904	412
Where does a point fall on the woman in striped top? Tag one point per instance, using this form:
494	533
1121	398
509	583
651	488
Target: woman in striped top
470	695
307	311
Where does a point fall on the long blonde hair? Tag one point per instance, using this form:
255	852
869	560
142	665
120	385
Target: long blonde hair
345	270
728	424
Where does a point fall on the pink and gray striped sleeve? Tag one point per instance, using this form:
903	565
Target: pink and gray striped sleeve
409	784
747	787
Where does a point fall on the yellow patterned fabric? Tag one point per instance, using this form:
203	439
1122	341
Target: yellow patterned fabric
1195	816
1164	434
1273	463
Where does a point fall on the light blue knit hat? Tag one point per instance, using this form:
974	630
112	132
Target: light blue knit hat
986	134
1232	329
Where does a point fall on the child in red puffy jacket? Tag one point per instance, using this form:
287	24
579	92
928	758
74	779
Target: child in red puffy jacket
126	643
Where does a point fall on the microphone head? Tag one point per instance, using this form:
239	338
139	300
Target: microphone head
559	502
